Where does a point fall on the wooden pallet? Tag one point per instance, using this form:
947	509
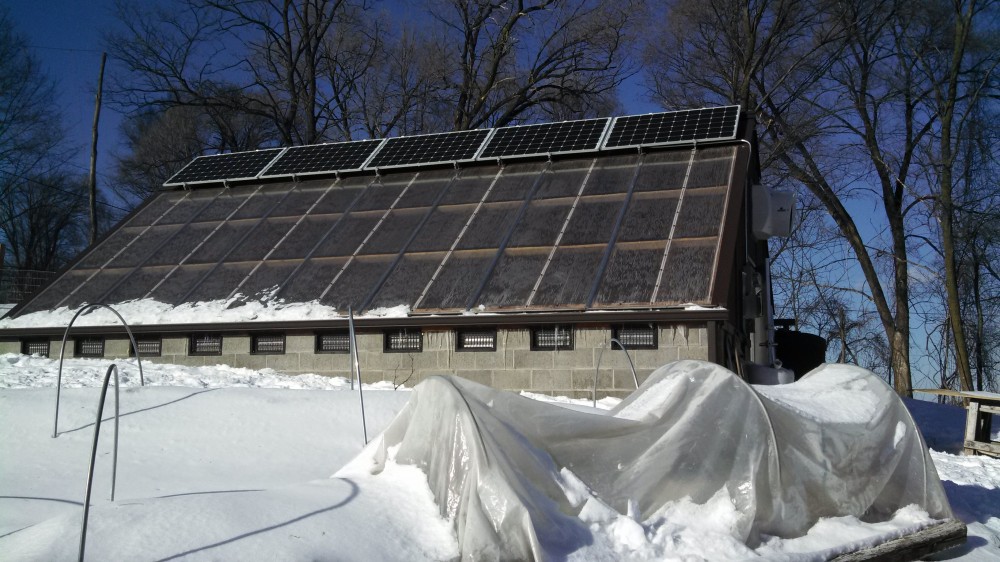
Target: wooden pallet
980	408
942	536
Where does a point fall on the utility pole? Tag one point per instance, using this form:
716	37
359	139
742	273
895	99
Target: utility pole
93	154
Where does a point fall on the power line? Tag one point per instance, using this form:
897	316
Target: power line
65	49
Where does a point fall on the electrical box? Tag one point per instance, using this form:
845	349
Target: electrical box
772	212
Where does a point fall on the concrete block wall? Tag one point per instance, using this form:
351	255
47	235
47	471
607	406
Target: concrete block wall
513	366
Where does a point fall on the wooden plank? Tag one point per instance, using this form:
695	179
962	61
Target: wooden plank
936	538
989	409
988	448
971	421
970	394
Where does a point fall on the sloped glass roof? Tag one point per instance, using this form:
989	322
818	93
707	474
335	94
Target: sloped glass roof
589	232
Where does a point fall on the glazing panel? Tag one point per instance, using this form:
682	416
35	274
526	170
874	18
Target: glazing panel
349	234
266	280
649	217
224	205
688	273
612	175
426	188
569	277
221	282
541	223
259	205
107	248
663	170
144	245
263	238
592	221
179	283
470	186
312	279
701	215
219	244
342	195
55	292
489	226
407	281
185	210
630	276
380	194
303	237
155	209
712	167
513	279
564	179
516	181
181	245
93	290
301	199
458	280
136	285
357	281
442	228
394	232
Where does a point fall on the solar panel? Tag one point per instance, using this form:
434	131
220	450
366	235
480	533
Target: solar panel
548	138
427	149
714	123
218	167
322	158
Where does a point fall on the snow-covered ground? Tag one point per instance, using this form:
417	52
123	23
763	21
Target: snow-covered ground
218	463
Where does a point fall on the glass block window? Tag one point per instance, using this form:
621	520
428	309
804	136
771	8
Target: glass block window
271	344
205	344
404	339
635	336
476	339
89	346
35	347
333	342
149	346
551	337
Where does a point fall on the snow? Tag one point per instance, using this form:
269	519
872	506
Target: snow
235	309
218	463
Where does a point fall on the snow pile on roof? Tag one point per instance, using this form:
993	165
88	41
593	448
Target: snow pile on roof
522	480
236	309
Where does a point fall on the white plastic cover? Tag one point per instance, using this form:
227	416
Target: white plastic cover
837	442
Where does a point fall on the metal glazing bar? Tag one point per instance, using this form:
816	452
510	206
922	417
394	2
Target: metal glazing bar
93	454
356	368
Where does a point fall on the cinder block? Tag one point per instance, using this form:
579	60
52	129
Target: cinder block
438	340
517	338
117	348
174	346
12	346
583	379
625	380
235	345
287	363
526	359
573	359
465	360
494	360
652	359
552	379
194	360
369	341
512	380
592	337
321	363
693	352
300	343
247	361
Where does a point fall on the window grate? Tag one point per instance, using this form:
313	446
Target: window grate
273	344
477	340
89	347
205	344
35	347
148	347
551	337
636	336
333	342
404	340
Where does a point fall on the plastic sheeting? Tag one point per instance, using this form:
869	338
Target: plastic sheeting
837	442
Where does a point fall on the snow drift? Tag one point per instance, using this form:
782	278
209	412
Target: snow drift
520	479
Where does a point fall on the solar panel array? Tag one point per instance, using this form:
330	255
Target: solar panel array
320	158
593	231
220	167
716	123
547	138
588	135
